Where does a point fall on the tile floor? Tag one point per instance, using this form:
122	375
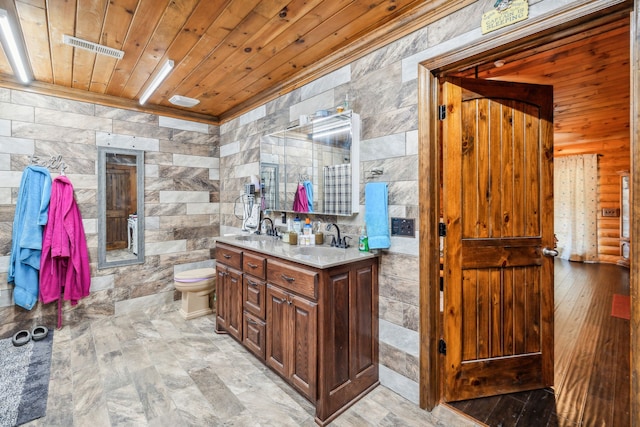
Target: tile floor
157	369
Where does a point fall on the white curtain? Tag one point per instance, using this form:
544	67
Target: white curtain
575	204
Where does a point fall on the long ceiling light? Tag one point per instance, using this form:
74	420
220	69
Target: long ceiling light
10	43
162	74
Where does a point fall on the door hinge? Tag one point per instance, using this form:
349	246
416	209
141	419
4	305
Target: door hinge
442	112
442	347
442	229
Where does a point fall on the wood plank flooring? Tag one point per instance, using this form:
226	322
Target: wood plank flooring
591	358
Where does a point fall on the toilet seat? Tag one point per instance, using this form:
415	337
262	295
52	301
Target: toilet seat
191	276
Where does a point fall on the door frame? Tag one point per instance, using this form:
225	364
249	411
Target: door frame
536	31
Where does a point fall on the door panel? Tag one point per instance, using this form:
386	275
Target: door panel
498	208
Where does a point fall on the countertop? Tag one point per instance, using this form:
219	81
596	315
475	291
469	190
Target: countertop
319	256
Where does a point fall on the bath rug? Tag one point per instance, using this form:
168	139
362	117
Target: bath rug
621	306
24	380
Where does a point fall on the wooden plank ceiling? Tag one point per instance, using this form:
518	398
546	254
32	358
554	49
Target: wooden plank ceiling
590	74
230	54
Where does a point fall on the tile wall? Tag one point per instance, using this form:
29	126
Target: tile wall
181	196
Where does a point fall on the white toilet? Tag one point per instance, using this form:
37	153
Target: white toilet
196	287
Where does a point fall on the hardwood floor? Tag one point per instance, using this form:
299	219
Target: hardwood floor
591	358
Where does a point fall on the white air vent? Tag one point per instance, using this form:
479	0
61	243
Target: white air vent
183	101
92	47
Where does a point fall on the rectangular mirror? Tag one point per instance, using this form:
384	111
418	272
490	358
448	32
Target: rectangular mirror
313	167
120	207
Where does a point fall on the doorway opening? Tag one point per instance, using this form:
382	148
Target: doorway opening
612	139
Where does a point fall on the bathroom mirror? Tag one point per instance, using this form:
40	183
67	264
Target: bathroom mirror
120	207
312	167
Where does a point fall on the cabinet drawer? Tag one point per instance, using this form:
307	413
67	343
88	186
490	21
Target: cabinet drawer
293	278
254	265
254	335
229	255
254	296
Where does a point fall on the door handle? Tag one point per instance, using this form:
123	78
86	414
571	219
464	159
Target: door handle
549	252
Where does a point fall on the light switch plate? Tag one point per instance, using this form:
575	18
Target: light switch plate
610	212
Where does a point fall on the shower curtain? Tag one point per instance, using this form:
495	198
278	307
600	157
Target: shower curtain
575	207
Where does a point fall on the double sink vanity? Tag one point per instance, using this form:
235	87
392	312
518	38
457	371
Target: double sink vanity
310	313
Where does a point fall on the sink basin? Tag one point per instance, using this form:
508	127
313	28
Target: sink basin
255	238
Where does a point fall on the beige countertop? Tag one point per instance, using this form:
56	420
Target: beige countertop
320	256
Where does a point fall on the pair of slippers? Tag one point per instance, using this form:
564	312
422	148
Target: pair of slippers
22	337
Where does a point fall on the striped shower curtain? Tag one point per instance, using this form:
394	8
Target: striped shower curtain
337	189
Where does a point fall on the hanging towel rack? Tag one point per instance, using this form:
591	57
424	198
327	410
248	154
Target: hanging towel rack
54	162
375	173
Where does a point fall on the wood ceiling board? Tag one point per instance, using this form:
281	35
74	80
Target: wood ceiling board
142	27
61	19
34	21
149	63
90	17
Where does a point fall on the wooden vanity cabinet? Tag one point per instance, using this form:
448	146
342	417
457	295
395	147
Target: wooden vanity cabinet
229	290
317	328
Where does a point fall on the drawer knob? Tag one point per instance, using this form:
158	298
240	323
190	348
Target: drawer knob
288	279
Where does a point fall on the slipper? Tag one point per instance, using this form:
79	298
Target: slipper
39	332
21	338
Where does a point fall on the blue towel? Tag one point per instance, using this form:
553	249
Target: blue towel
376	215
28	225
309	189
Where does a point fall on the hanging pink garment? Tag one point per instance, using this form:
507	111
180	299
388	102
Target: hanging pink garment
300	201
64	265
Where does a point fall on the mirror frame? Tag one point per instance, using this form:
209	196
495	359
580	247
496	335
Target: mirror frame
102	205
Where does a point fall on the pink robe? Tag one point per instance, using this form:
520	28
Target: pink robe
64	264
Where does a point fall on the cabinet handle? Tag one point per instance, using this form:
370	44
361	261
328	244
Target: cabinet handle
227	256
252	283
288	279
252	265
251	321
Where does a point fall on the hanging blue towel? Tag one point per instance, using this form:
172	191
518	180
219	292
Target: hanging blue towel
309	189
376	215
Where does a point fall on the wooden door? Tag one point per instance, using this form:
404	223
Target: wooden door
234	301
498	211
277	330
118	203
303	345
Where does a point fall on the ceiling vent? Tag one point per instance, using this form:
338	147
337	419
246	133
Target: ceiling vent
92	47
183	101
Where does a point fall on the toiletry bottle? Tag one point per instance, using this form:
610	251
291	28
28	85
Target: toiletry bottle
307	229
319	237
297	224
363	243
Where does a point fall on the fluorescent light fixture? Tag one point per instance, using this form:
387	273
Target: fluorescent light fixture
162	74
10	43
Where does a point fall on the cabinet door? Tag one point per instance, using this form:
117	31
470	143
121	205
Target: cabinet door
303	345
254	296
222	295
234	301
277	330
253	331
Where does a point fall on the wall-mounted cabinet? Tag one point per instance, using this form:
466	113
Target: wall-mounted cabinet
313	167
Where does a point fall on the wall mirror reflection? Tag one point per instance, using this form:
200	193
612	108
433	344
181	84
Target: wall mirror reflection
120	207
313	167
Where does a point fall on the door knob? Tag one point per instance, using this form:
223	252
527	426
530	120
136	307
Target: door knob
549	252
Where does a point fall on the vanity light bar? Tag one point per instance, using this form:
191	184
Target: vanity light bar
14	53
162	74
